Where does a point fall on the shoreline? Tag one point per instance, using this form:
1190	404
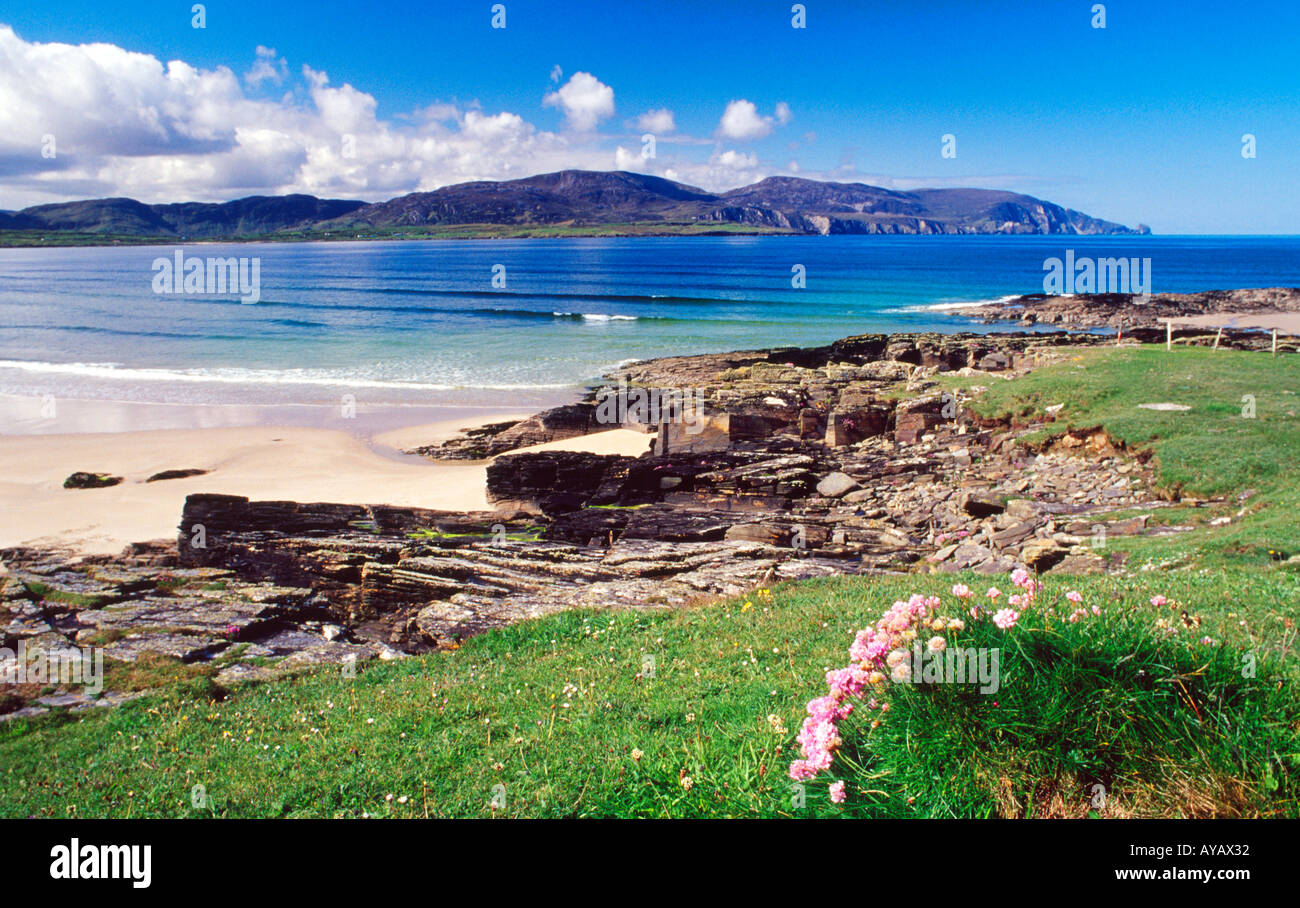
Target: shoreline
363	463
317	455
812	462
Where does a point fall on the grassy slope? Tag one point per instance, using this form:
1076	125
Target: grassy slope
443	730
1210	450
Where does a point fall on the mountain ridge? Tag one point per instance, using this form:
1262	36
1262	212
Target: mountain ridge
578	199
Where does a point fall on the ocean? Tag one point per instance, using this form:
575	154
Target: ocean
515	322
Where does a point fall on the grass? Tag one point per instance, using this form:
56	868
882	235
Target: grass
532	534
693	712
1209	451
1077	707
444	729
42	591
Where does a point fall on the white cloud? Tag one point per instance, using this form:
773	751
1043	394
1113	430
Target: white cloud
266	68
584	99
723	170
126	124
556	73
735	160
629	160
742	121
657	121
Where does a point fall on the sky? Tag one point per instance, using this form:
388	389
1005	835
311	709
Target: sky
1141	121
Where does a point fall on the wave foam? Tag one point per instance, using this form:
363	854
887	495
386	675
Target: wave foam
117	372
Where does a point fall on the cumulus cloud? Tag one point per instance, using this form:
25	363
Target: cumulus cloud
584	99
126	124
742	121
725	169
656	121
123	123
629	160
266	68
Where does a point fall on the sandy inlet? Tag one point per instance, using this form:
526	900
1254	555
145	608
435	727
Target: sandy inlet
261	462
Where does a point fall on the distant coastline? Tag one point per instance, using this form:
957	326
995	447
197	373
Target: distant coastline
57	239
568	203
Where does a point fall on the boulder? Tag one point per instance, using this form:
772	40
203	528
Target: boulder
81	480
837	485
703	433
1043	554
981	504
176	474
553	482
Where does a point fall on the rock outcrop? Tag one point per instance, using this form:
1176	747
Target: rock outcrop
1128	311
842	459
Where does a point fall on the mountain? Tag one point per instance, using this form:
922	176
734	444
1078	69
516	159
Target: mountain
578	199
254	215
588	198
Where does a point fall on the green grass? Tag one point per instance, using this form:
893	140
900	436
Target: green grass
444	729
1209	451
564	714
42	591
1079	705
532	534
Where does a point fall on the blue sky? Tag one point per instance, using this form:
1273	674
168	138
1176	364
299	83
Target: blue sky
1141	121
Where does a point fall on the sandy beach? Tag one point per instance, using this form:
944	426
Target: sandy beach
1286	323
261	462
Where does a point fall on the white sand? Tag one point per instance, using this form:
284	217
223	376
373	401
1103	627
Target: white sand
266	462
1285	322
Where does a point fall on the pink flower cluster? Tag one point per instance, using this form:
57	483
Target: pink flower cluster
878	653
1076	598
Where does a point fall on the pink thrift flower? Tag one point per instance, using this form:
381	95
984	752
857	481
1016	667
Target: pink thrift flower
1158	601
1006	618
994	593
837	792
961	591
1074	596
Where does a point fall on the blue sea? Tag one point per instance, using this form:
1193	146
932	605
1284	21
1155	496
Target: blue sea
423	323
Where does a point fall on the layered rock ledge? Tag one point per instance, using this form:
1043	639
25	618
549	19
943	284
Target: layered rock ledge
844	459
1128	311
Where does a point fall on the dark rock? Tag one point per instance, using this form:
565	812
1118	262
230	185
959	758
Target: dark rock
569	421
554	482
836	485
176	474
90	481
981	504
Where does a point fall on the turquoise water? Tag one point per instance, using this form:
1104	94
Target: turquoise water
422	322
